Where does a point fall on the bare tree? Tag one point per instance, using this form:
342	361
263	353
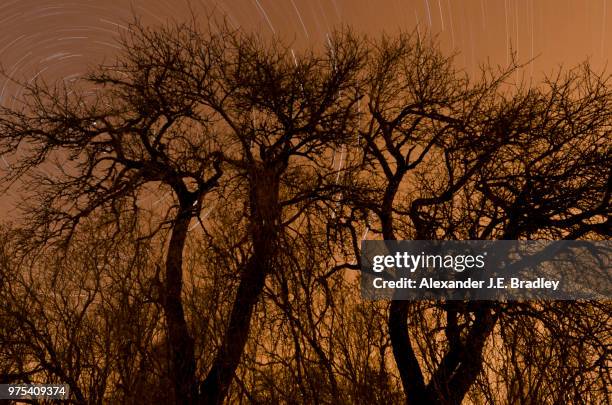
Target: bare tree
212	185
179	104
127	129
483	160
284	113
78	317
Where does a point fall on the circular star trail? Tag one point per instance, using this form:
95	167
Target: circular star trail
60	40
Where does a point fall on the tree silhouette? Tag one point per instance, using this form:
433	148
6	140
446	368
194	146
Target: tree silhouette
178	106
482	160
207	194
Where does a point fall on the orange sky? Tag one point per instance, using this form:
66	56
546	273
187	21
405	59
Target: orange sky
60	39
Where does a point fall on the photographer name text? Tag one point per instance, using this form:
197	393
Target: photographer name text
428	283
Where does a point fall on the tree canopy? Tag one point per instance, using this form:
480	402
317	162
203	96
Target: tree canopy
195	211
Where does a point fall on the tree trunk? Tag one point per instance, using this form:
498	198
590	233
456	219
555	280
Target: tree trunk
182	361
462	363
215	387
405	359
264	229
407	363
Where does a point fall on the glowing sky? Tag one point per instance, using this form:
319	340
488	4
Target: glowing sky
60	40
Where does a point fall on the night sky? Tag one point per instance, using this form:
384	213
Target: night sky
60	40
